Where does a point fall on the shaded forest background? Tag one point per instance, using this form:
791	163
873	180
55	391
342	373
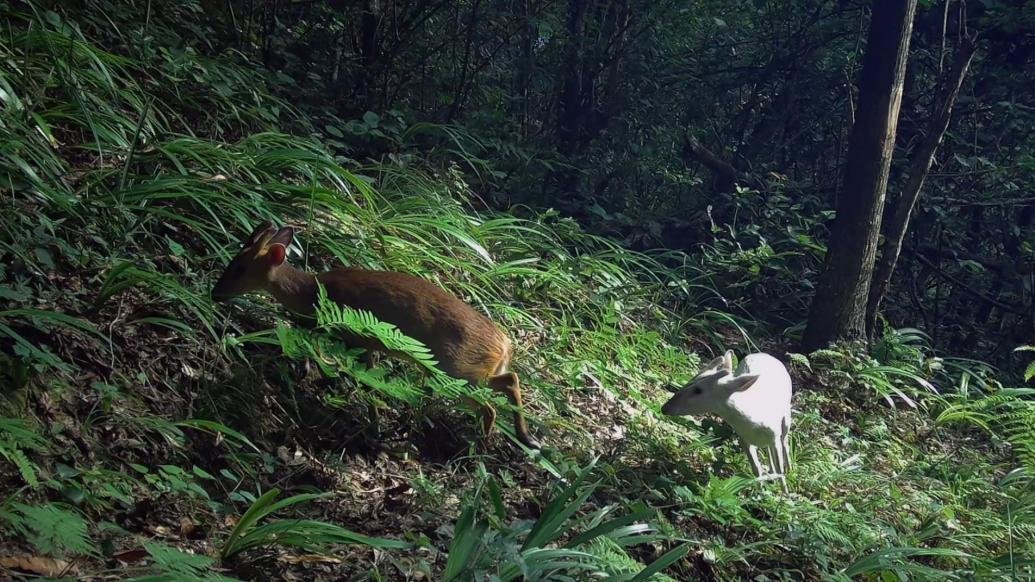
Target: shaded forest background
689	125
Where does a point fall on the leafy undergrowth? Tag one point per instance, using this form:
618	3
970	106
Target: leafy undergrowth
146	432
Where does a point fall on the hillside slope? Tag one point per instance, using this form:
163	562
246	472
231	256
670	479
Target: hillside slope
146	431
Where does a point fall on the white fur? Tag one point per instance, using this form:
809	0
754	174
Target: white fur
755	401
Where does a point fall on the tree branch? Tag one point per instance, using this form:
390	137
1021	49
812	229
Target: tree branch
725	173
967	288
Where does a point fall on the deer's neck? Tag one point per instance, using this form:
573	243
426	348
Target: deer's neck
294	289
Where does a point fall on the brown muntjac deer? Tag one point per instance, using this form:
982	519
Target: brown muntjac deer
466	344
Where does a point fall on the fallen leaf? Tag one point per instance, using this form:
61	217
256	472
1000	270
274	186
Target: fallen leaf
49	567
131	556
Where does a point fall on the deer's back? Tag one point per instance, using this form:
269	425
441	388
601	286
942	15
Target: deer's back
764	406
466	343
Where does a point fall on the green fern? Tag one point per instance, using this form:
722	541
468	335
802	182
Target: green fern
828	355
800	360
334	317
613	559
26	468
334	358
52	529
1018	423
1009	413
172	565
16	437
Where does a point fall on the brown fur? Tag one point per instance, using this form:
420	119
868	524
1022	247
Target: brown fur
465	343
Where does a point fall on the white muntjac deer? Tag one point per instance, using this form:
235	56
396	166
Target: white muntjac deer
756	401
466	344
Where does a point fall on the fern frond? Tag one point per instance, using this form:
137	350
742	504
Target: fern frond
1009	412
376	379
331	316
22	435
25	467
172	564
53	530
333	358
16	437
801	360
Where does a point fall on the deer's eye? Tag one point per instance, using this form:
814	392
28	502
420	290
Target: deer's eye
697	391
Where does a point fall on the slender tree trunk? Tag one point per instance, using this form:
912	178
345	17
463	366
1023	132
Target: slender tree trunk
369	43
571	105
919	167
527	66
465	64
270	29
838	308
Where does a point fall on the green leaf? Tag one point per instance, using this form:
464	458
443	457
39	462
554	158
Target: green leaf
306	534
496	498
174	565
608	527
800	359
201	473
565	504
467	537
670	557
218	428
247	521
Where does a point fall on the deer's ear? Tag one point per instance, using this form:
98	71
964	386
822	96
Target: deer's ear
264	230
283	236
276	254
727	361
741	383
712	365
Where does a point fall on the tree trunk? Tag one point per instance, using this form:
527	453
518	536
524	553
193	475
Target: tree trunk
527	64
570	111
838	308
895	232
369	44
572	103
